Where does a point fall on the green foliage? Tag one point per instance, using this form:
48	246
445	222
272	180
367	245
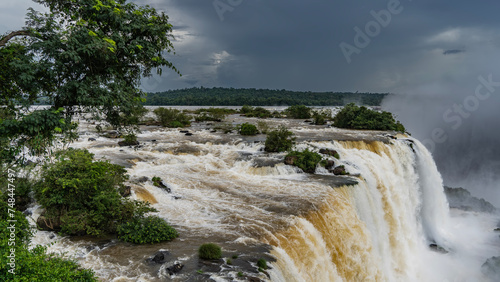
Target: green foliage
279	140
34	264
212	114
156	181
130	138
78	56
218	96
144	230
240	274
262	263
319	118
306	160
248	129
354	117
84	194
255	112
172	117
298	112
229	262
210	251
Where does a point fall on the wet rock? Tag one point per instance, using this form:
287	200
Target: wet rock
329	164
211	266
160	257
339	170
52	236
177	197
121	150
290	160
491	268
92	139
154	140
142	179
184	131
329	152
307	121
460	198
437	248
27	212
189	134
125	143
497	229
176	268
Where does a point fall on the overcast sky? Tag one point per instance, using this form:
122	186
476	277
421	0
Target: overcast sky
431	52
425	45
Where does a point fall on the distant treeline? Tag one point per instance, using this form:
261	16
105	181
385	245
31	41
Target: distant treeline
219	96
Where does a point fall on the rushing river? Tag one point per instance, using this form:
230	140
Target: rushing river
374	225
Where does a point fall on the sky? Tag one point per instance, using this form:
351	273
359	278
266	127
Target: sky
434	55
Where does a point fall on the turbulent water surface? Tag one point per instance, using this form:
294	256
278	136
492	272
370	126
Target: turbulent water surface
375	225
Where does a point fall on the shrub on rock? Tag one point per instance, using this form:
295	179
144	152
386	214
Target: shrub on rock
210	251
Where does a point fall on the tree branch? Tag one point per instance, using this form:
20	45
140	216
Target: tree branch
13	34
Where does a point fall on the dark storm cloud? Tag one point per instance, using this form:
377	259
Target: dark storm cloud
295	44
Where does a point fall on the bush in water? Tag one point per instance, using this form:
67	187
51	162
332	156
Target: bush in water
172	117
279	140
248	129
306	160
144	230
84	195
210	251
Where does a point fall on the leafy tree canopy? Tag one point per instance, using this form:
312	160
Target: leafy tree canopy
354	117
81	56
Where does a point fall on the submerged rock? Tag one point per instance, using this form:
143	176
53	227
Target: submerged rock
91	139
339	170
160	257
329	164
176	268
125	143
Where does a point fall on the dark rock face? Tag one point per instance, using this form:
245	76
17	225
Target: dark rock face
188	134
184	131
290	160
174	268
142	179
92	139
160	257
125	143
328	152
491	268
339	170
460	198
329	164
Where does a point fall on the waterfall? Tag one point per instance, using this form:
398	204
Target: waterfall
377	230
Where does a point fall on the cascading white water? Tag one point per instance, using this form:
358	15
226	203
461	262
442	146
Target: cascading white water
376	230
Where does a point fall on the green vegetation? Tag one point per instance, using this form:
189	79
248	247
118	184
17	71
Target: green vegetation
83	196
34	264
218	96
229	262
143	230
262	263
210	251
305	160
78	56
263	126
156	181
255	112
240	274
354	117
213	114
172	117
279	140
248	129
298	112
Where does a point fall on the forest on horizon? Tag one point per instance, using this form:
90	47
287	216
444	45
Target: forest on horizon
220	96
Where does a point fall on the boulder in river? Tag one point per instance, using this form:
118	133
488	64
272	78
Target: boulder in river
329	152
339	170
160	257
290	160
176	268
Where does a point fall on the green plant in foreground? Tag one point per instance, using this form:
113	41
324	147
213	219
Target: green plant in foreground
240	274
279	140
32	264
144	230
156	181
210	251
83	194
